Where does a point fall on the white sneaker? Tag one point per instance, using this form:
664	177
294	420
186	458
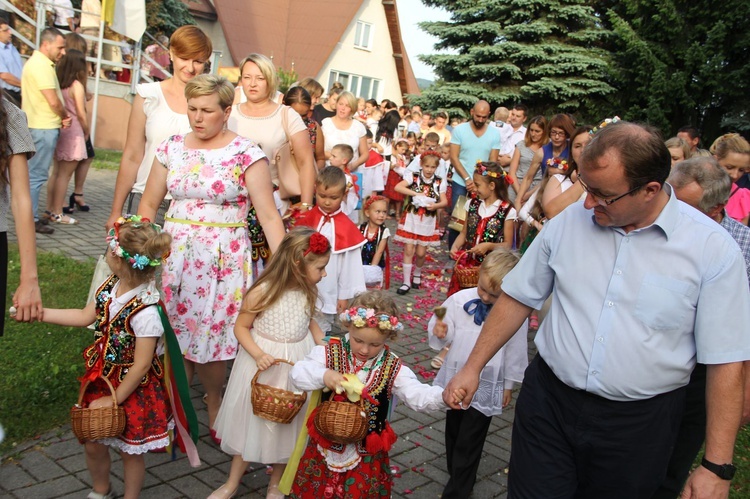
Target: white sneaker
97	495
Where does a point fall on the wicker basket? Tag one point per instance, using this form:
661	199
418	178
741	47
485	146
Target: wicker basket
467	275
275	404
93	424
341	422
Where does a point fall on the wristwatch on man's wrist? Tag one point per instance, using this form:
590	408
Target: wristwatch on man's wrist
723	471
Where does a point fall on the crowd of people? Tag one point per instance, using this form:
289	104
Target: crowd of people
629	254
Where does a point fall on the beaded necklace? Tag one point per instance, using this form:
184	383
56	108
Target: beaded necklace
364	367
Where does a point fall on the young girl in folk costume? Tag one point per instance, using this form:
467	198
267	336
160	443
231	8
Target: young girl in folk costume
399	161
418	225
275	322
361	469
490	217
375	256
128	325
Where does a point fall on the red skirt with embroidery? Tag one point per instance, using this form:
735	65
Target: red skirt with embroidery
147	411
390	187
370	479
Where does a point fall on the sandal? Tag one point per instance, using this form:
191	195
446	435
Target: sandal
437	362
97	495
416	281
403	289
63	219
73	203
273	492
223	492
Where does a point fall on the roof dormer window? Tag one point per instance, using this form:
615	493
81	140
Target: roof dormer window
363	35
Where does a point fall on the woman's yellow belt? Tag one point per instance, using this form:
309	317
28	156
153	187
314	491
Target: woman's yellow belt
205	224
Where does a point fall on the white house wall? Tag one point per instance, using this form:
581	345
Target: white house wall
375	63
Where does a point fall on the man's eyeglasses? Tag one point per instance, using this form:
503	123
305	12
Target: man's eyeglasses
602	201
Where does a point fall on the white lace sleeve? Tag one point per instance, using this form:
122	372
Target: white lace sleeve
417	396
307	374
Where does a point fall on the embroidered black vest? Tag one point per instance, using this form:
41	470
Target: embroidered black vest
371	247
114	338
379	385
431	190
492	232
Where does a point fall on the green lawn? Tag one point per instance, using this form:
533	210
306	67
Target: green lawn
39	363
107	159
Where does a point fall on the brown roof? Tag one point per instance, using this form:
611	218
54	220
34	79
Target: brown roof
201	9
301	32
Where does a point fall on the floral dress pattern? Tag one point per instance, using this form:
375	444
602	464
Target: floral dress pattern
209	268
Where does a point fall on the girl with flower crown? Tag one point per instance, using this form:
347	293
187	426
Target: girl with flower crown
361	469
128	325
418	226
487	214
275	322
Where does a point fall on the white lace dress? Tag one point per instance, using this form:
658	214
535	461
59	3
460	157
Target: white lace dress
282	331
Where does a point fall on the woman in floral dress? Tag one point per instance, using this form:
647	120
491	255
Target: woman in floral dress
211	174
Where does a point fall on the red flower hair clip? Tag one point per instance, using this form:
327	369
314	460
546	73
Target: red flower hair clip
372	199
319	245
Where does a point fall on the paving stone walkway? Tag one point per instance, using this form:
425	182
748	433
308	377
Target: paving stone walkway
53	466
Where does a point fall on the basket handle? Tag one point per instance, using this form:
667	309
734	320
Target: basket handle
86	384
275	363
464	257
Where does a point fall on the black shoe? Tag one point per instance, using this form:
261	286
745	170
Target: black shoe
42	228
73	203
416	281
403	289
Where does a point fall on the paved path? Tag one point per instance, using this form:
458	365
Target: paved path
53	466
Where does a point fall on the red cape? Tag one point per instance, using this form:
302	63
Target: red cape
346	235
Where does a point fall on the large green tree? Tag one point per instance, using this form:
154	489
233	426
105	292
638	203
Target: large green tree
544	53
165	16
678	62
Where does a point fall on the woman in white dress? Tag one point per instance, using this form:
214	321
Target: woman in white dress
342	128
159	110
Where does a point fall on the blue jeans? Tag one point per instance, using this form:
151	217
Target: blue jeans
458	190
44	142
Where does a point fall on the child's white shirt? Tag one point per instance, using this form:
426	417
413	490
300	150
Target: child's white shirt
416	166
307	375
345	275
145	323
506	366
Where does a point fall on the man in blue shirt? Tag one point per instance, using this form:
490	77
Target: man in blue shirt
471	142
642	287
10	64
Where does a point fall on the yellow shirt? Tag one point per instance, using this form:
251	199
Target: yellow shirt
444	134
39	74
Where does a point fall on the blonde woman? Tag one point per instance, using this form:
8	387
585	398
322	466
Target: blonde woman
342	128
732	152
679	149
260	118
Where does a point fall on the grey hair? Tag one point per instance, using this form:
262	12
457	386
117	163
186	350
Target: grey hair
707	173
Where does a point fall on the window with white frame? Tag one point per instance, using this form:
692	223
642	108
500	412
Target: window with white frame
360	86
363	35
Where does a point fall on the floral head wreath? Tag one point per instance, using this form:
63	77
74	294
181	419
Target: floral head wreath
481	168
607	121
319	245
430	153
367	317
372	199
137	261
559	163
